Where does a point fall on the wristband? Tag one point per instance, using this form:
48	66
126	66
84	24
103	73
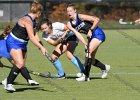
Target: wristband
41	43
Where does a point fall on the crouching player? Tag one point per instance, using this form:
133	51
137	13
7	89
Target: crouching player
57	34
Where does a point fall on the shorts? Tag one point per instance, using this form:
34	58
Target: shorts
15	43
3	50
99	34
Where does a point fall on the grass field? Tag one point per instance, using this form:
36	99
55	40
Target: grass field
121	50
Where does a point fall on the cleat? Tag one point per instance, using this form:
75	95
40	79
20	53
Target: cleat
10	88
79	74
105	72
32	82
83	78
60	77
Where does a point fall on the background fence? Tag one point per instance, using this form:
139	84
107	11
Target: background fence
107	10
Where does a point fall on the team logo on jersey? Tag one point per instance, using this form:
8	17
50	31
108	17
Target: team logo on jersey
80	26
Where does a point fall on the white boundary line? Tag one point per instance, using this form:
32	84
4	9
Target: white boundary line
114	73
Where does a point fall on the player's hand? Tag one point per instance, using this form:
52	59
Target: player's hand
43	50
89	34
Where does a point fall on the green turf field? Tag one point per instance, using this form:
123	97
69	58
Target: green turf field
121	50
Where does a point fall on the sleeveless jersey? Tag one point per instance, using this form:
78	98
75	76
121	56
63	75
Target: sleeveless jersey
81	26
21	32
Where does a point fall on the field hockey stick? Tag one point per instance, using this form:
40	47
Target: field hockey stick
87	49
48	75
49	57
121	21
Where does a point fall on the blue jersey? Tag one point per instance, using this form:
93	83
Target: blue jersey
3	50
84	26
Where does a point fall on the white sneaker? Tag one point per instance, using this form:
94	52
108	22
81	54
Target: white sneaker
105	72
79	75
4	82
33	82
83	78
10	88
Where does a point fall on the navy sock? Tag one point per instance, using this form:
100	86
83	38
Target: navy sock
99	65
13	74
25	73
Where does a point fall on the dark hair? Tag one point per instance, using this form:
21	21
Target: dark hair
7	30
71	5
46	21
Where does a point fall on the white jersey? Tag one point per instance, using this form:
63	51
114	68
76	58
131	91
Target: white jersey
58	31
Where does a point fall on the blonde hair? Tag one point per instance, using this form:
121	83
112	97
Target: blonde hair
36	7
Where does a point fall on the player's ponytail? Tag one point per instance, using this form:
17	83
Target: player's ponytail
36	7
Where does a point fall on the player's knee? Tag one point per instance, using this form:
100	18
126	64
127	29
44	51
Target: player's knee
20	64
57	54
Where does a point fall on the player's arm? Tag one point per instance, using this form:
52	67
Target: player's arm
78	35
94	20
29	27
53	42
137	21
66	31
38	39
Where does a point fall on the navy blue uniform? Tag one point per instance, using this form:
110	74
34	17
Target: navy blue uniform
84	26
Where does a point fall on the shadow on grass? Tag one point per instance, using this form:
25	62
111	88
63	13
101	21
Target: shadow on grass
32	88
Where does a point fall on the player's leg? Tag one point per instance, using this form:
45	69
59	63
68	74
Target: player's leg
71	46
25	73
59	50
93	46
17	56
99	64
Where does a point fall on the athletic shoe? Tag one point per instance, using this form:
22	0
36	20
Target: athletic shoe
10	88
32	82
105	72
83	78
79	74
4	82
60	77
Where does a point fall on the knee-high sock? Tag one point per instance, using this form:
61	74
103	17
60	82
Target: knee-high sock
25	73
88	62
99	65
59	68
13	74
78	64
